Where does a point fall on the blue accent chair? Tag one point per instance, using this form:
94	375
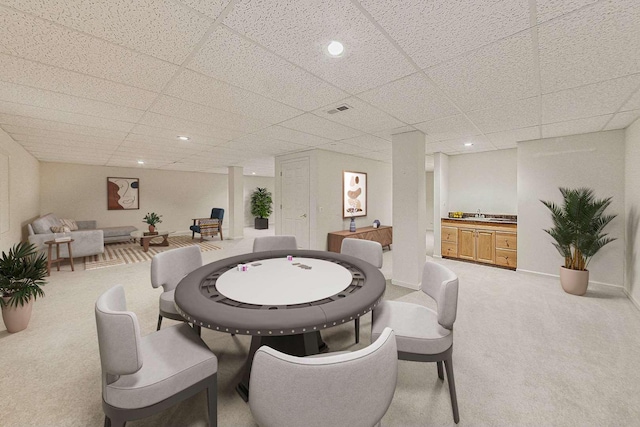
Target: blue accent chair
208	230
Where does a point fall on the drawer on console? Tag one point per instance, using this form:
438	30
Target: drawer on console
449	249
449	234
506	258
506	241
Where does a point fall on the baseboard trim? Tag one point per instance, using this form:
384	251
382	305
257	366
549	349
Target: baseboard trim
591	282
405	284
633	300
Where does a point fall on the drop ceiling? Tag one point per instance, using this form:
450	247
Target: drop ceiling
113	83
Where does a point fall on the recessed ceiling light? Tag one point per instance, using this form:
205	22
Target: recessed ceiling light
183	138
253	173
468	144
335	48
140	162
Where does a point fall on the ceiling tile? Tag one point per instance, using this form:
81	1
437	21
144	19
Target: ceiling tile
147	155
370	142
128	161
301	30
510	138
340	147
434	31
211	8
159	28
32	38
195	143
83	161
204	90
7	120
190	111
290	135
259	144
58	101
53	144
412	99
622	120
360	116
157	124
42	76
448	128
19	133
228	57
549	9
588	101
388	133
62	116
514	115
480	143
440	147
492	75
633	103
575	127
315	125
381	156
596	43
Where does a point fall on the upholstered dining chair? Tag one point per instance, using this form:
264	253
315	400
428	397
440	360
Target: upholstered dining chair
145	375
208	226
422	334
274	243
366	250
167	269
349	389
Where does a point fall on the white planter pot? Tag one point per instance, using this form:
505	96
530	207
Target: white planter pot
574	282
17	318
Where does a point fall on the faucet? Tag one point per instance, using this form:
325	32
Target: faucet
478	214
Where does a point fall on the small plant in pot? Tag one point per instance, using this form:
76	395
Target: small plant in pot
22	273
261	207
152	219
578	233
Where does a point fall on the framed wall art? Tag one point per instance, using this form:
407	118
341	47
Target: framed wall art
354	194
123	193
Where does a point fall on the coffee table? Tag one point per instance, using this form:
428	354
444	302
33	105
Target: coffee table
145	240
280	303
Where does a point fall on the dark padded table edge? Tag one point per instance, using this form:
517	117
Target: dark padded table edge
198	309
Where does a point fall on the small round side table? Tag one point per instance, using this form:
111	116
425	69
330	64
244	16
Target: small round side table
58	259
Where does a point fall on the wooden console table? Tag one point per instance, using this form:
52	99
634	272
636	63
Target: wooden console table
382	235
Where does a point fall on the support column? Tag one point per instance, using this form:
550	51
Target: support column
409	208
236	203
440	197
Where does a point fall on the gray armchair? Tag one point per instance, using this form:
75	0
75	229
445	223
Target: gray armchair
424	335
366	250
145	375
349	389
274	243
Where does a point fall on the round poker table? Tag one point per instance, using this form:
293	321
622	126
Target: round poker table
279	302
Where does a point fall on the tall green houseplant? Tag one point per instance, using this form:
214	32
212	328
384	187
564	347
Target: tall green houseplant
578	230
261	209
22	273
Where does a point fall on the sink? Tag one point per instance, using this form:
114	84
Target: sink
500	220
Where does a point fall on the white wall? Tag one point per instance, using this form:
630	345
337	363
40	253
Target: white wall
19	191
485	181
329	193
429	189
632	211
80	192
250	184
594	160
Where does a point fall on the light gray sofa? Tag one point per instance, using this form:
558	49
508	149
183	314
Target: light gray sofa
88	239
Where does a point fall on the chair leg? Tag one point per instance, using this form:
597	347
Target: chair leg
193	235
357	324
114	422
159	321
448	365
221	238
198	329
212	400
440	373
107	421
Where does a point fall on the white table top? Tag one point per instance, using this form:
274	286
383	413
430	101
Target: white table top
280	282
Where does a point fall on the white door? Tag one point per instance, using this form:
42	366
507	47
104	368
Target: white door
294	177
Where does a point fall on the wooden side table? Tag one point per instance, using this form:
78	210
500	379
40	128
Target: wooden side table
382	235
58	260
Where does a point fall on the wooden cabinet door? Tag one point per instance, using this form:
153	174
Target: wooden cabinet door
486	246
466	244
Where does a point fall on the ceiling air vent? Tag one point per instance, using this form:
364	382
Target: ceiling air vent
343	107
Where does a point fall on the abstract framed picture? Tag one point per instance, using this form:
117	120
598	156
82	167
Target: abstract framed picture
123	193
354	194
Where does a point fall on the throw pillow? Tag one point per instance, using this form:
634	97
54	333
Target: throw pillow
60	229
69	223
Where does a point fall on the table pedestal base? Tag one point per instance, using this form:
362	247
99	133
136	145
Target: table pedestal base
295	345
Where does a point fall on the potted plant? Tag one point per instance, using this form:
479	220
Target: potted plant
578	233
261	207
22	273
152	219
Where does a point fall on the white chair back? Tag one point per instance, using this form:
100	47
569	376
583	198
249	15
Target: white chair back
366	250
349	389
169	267
274	243
441	284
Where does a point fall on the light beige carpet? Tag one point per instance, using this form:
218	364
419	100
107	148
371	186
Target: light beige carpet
130	252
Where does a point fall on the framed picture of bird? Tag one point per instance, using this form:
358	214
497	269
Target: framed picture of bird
354	194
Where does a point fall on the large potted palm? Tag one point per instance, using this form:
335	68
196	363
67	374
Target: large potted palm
578	233
261	207
22	273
